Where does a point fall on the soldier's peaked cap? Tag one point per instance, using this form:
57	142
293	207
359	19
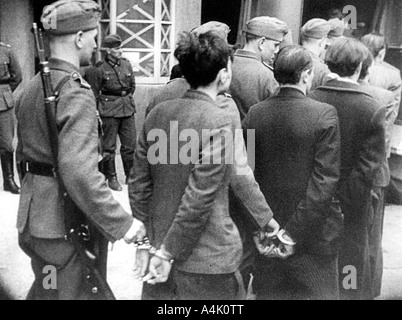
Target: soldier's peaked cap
70	16
316	28
268	27
112	41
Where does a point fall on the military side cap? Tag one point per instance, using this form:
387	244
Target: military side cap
112	41
70	16
337	28
217	27
268	27
316	28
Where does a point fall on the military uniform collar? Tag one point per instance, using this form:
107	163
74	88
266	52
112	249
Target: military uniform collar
112	61
247	54
58	64
291	90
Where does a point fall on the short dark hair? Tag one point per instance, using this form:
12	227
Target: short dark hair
366	64
291	61
345	55
375	42
202	57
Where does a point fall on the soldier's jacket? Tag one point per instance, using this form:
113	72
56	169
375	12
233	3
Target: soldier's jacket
113	84
41	202
252	81
10	76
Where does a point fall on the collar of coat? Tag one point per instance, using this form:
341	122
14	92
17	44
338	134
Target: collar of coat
343	86
247	54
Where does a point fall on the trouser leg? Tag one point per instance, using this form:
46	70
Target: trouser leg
110	128
128	139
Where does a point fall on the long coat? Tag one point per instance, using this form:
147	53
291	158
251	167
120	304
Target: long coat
41	201
297	162
363	152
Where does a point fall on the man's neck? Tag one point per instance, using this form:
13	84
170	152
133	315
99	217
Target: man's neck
313	48
211	91
251	48
62	53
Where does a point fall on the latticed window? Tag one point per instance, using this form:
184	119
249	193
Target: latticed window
147	30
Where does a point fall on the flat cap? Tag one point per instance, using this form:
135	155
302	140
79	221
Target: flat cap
337	28
316	28
268	27
70	16
112	41
221	29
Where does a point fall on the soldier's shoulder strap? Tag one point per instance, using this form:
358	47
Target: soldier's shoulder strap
75	76
2	44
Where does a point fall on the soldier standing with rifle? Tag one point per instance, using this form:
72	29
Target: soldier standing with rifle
113	83
53	191
10	78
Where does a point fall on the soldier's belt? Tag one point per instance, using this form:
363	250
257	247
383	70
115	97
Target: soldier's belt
122	93
40	169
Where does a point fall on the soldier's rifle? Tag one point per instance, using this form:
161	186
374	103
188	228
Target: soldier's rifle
76	224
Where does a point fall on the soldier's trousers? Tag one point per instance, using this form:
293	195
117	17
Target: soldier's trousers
6	131
125	128
59	255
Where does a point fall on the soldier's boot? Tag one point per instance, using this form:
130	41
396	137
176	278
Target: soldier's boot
127	164
7	166
112	176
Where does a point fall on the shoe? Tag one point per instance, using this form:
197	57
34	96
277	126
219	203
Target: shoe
114	183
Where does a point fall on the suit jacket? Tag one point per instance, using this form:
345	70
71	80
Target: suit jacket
386	99
252	81
243	183
41	203
192	218
297	143
108	79
362	124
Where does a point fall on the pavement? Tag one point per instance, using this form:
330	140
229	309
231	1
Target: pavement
17	276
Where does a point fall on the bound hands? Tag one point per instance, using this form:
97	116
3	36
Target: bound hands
157	262
276	244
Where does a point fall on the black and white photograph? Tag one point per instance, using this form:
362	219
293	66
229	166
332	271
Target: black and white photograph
200	154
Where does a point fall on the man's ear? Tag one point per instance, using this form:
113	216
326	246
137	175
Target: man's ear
79	39
381	54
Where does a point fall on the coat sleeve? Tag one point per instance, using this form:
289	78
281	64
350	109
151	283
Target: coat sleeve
243	181
78	162
205	180
323	180
140	186
373	150
15	71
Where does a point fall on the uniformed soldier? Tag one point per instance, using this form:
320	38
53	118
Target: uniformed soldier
41	214
113	83
10	78
314	38
253	80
